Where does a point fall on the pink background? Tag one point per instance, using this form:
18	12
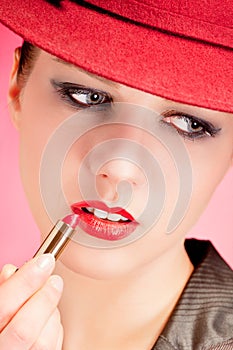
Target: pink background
19	235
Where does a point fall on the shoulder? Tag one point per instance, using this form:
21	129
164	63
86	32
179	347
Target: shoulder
203	317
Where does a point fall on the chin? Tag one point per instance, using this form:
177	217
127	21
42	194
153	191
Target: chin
98	264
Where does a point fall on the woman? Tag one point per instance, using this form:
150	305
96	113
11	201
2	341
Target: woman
142	89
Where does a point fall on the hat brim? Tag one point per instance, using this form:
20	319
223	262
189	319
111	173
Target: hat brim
171	66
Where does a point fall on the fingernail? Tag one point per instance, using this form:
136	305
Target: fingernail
56	282
45	261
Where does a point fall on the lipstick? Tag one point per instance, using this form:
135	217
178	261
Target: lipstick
59	236
100	221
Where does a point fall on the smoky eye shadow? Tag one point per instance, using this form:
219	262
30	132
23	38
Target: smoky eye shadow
208	129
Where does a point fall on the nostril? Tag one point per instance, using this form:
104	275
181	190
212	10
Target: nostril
119	170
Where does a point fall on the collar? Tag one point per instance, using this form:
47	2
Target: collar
203	317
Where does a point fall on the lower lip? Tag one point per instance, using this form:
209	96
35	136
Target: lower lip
103	228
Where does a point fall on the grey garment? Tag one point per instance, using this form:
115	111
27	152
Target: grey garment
163	344
203	316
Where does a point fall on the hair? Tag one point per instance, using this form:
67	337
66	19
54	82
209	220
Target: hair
56	3
28	53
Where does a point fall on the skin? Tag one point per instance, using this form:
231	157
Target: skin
105	289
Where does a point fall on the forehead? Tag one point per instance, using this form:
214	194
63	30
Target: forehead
93	76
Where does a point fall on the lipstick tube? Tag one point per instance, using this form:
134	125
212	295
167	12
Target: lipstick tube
58	237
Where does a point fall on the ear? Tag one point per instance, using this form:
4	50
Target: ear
14	91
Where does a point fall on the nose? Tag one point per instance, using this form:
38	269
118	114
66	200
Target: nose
119	178
119	170
117	165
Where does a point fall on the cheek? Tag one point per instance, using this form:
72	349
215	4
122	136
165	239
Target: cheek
39	117
210	162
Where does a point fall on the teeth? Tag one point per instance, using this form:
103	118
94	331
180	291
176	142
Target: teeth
114	217
102	214
123	218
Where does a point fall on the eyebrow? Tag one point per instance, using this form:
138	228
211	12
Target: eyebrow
92	75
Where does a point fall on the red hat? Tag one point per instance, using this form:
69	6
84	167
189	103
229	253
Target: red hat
178	49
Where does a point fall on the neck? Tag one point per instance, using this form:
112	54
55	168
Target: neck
101	313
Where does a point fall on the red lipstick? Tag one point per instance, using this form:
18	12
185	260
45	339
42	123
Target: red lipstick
59	236
100	221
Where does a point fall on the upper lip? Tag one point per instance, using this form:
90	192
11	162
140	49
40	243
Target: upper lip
102	206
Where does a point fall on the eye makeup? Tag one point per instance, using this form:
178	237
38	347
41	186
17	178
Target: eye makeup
80	96
189	126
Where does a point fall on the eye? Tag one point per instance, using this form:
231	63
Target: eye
189	126
80	96
88	98
185	124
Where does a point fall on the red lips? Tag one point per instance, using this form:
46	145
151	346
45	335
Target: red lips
104	228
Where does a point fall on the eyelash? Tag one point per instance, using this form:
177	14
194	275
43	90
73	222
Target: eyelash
66	90
206	128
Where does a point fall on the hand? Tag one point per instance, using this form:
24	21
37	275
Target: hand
29	318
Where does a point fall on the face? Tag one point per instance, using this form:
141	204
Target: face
53	92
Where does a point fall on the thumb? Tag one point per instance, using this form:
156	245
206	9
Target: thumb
7	271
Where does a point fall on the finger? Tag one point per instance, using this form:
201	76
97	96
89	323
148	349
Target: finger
17	289
26	326
51	333
60	339
7	271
